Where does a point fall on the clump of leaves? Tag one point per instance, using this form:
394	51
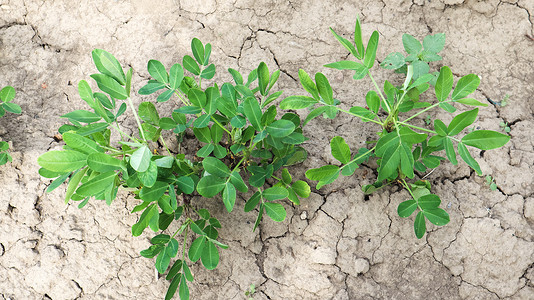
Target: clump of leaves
7	94
403	149
504	127
246	146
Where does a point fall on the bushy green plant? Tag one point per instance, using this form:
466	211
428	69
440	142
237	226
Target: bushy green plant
7	94
402	148
244	144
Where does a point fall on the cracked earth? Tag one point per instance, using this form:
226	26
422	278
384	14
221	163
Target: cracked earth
338	244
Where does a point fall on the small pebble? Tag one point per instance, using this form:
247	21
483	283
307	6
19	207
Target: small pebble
304	215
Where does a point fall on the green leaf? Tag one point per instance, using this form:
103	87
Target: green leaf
485	139
437	216
185	184
215	167
407	161
370	52
140	159
308	84
429	201
208	72
275	193
157	71
82	116
174	285
340	150
447	107
173	272
393	61
80	143
406	208
12	108
348	45
440	127
210	185
97	184
154	192
196	248
465	86
449	150
183	292
176	75
7	94
253	113
443	84
434	43
73	184
471	101
301	188
390	162
360	73
107	64
162	262
191	65
197	97
198	50
252	202
148	113
151	87
205	151
419	225
325	175
263	78
57	182
62	161
202	121
210	256
324	88
101	162
297	102
373	101
238	182
411	44
110	86
466	156
345	65
358	38
146	216
229	196
280	128
207	53
275	211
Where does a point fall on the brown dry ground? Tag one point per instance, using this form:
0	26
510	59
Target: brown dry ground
336	245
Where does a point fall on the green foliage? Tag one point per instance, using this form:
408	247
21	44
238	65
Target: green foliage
245	146
403	150
7	94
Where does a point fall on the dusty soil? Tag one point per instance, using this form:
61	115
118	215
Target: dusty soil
337	244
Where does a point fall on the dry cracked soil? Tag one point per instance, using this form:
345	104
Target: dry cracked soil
338	244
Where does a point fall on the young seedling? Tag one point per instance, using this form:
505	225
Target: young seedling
7	94
245	146
491	182
403	149
250	292
504	127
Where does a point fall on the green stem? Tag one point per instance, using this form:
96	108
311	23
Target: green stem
122	133
164	144
137	119
379	91
358	157
426	109
363	118
417	127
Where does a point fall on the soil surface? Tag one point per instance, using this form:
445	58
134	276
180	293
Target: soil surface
338	244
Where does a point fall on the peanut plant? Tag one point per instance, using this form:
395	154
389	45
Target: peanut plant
246	148
7	94
403	150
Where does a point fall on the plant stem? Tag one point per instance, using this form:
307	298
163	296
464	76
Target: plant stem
358	157
137	119
426	109
379	91
164	144
122	133
361	117
417	127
